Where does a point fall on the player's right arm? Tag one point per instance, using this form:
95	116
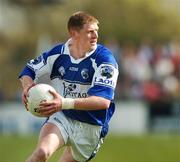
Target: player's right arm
30	72
26	82
36	68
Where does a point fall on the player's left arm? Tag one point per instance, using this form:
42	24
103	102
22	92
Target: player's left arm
59	103
100	94
91	103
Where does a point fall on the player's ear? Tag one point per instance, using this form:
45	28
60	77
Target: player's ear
73	33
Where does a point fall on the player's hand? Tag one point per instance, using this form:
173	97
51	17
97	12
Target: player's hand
25	95
47	108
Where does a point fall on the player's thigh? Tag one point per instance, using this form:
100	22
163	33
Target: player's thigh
50	138
67	155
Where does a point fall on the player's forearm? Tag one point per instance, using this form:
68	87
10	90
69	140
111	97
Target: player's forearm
26	81
91	103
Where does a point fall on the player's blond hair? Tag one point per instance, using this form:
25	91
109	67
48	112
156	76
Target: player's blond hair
78	19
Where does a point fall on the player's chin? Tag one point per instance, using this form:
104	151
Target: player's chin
93	45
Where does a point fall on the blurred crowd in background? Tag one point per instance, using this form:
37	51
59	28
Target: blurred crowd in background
149	71
149	59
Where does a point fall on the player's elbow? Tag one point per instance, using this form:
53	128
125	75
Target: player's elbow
98	102
105	104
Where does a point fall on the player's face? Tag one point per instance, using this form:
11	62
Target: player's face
88	36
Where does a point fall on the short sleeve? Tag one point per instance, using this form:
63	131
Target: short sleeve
105	76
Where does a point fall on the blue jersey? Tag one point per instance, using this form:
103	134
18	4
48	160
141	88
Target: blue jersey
94	75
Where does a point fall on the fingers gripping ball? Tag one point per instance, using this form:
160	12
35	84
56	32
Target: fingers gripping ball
38	94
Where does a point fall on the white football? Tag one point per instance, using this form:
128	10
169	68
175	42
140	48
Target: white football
36	95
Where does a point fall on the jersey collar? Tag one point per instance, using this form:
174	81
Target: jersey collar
66	51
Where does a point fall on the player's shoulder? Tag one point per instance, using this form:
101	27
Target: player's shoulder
103	49
56	49
104	54
54	52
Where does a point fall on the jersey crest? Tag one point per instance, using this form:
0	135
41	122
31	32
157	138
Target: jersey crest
106	76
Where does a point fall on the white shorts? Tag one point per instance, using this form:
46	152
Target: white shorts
84	139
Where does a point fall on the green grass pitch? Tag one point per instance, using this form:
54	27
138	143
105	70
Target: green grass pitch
147	148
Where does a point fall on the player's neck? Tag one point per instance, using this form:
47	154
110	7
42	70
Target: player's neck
77	51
